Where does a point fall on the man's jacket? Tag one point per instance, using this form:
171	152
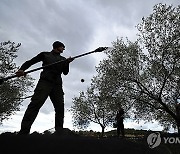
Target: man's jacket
52	73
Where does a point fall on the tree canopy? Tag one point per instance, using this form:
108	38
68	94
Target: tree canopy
92	107
12	90
143	76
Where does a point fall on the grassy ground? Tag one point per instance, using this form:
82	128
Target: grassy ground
82	142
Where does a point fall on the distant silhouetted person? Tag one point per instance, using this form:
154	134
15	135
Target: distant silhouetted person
120	125
49	84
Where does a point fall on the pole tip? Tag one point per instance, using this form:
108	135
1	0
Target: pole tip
100	49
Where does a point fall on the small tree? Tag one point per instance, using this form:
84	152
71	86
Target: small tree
12	90
92	107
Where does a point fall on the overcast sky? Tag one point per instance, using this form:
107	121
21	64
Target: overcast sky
82	25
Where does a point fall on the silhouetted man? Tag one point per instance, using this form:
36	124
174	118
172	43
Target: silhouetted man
49	84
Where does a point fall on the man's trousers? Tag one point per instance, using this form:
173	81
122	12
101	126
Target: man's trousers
42	91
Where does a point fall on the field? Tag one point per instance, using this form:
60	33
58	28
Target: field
83	142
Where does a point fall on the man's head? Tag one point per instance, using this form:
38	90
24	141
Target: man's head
58	46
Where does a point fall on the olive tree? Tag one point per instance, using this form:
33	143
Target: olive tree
92	107
142	76
148	70
11	90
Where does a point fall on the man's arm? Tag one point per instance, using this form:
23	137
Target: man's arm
66	65
29	63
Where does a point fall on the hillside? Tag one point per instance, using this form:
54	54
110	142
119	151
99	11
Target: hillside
81	142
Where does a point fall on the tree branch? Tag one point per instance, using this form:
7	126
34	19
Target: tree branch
166	108
165	79
145	90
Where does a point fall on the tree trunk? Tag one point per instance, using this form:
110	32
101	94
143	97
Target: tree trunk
102	132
